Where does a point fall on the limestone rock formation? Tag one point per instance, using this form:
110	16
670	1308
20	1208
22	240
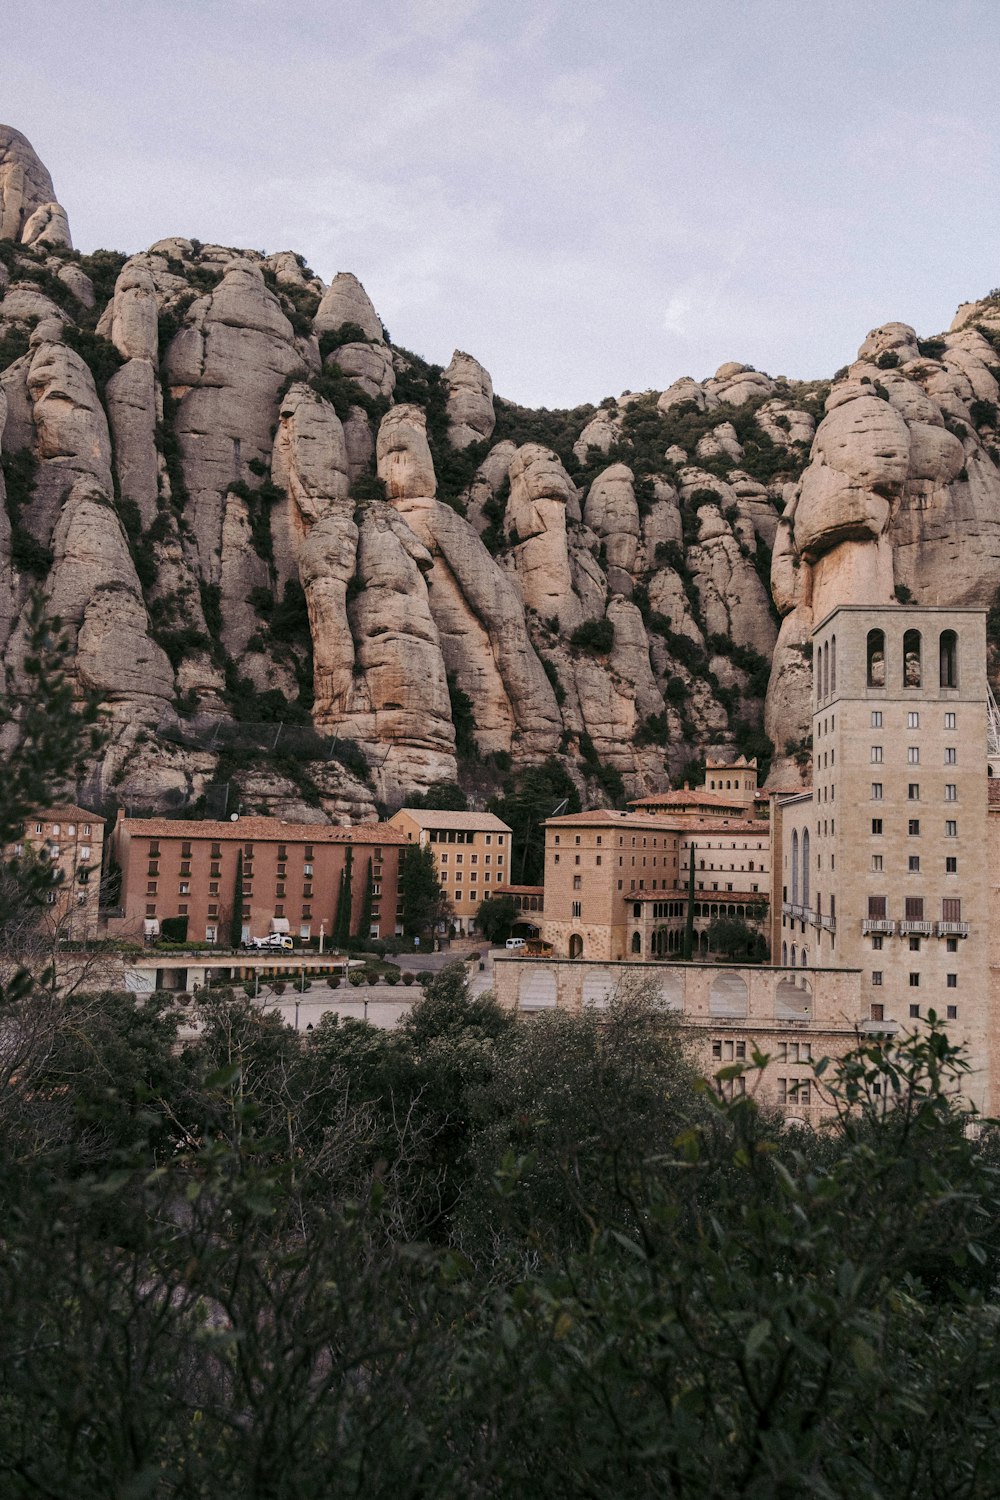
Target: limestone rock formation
540	490
346	301
471	418
28	210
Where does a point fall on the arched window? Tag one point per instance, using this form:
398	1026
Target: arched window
636	942
825	665
576	946
833	664
803	958
784	955
805	867
793	955
911	658
949	659
795	866
876	658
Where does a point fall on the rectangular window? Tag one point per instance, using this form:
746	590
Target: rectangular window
876	976
913	791
876	754
950	721
877	943
950	792
876	861
913	864
914	983
952	1012
878	1012
950	755
876	825
951	944
952	981
877	907
914	944
913	755
914	1011
876	718
577	909
876	791
914	826
951	909
950	828
913	720
913	908
578	882
950	865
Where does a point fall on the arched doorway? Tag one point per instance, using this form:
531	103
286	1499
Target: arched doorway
576	946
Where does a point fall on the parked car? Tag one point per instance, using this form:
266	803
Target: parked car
515	942
272	940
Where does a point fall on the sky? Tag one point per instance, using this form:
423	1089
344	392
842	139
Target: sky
589	197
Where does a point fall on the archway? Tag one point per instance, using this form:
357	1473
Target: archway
576	946
728	996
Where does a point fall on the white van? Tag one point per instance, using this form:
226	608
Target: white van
273	940
515	942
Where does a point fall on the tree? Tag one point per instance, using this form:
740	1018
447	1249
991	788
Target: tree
367	902
421	895
537	794
236	918
496	916
342	918
734	938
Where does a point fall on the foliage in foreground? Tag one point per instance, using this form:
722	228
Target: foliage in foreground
474	1257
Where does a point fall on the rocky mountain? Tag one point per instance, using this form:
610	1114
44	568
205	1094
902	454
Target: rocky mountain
293	555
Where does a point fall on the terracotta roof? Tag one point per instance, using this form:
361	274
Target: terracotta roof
64	812
474	822
659	822
683	799
263	829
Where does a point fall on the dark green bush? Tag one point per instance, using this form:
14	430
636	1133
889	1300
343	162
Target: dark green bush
594	636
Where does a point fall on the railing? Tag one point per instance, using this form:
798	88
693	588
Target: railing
815	919
786	908
829	924
953	929
923	928
878	924
797	910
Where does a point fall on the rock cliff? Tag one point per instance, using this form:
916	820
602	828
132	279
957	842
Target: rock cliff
302	563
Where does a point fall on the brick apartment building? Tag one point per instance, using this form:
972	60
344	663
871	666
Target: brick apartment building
471	855
291	876
70	839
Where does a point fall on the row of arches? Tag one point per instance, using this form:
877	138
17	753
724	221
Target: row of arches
728	995
826	669
799	956
912	666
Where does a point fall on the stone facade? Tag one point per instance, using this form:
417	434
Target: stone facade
884	864
72	840
727	1012
471	856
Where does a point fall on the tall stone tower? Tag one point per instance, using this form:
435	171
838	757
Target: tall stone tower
890	870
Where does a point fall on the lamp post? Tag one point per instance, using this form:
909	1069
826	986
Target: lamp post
322	934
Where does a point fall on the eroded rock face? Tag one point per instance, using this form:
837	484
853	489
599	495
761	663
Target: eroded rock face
346	301
134	407
310	464
225	367
369	365
25	185
612	512
71	436
471	418
402	454
540	490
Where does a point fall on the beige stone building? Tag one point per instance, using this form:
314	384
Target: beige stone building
616	883
70	839
884	863
471	855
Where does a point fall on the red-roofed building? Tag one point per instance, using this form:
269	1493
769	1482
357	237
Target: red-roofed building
291	876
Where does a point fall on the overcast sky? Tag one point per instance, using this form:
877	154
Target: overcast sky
588	196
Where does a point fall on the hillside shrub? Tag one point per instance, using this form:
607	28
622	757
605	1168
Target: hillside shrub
594	636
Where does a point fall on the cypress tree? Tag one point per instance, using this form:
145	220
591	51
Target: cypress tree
364	925
689	924
236	920
342	922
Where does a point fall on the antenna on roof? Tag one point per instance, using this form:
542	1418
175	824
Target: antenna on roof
992	723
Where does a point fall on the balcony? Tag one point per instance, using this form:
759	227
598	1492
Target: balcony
878	924
923	929
829	924
815	919
953	929
797	910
